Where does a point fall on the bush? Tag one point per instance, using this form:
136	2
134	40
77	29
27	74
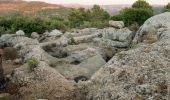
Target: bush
141	4
138	13
95	17
29	25
33	63
132	15
10	53
166	8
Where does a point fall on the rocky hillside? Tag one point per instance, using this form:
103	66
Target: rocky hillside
25	7
93	64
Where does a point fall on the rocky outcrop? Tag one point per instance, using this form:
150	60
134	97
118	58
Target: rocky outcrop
120	38
43	82
154	29
101	57
116	24
141	73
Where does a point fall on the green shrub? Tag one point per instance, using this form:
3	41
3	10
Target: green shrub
29	25
133	15
10	53
166	8
95	17
138	13
141	4
33	63
117	17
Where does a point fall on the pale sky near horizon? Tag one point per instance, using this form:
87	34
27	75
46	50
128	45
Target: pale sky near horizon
102	2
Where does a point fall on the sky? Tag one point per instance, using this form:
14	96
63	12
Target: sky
101	2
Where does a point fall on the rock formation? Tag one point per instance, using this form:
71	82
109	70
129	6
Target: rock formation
141	73
95	64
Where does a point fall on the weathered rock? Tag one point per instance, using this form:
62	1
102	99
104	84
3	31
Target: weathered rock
116	24
85	38
154	29
136	74
43	82
120	35
80	63
55	33
35	35
114	38
20	33
18	61
10	40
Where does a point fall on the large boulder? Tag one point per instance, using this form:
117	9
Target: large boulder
122	35
43	82
154	29
141	73
116	24
111	37
79	63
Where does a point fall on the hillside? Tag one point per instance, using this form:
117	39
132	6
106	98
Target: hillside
23	6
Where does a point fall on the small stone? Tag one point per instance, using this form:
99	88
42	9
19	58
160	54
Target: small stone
55	32
35	35
116	24
18	61
20	33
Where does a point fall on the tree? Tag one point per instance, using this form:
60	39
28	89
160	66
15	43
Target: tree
138	13
77	17
141	4
29	24
133	15
95	17
97	13
166	8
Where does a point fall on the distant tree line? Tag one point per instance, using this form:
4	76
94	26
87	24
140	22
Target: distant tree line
97	17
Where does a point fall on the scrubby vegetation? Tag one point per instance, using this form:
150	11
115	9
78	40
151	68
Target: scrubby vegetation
95	17
166	8
65	19
33	63
138	13
49	19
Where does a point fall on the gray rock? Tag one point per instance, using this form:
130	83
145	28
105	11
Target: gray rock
120	35
154	29
20	33
35	35
116	24
9	40
84	62
18	61
137	74
43	82
55	33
